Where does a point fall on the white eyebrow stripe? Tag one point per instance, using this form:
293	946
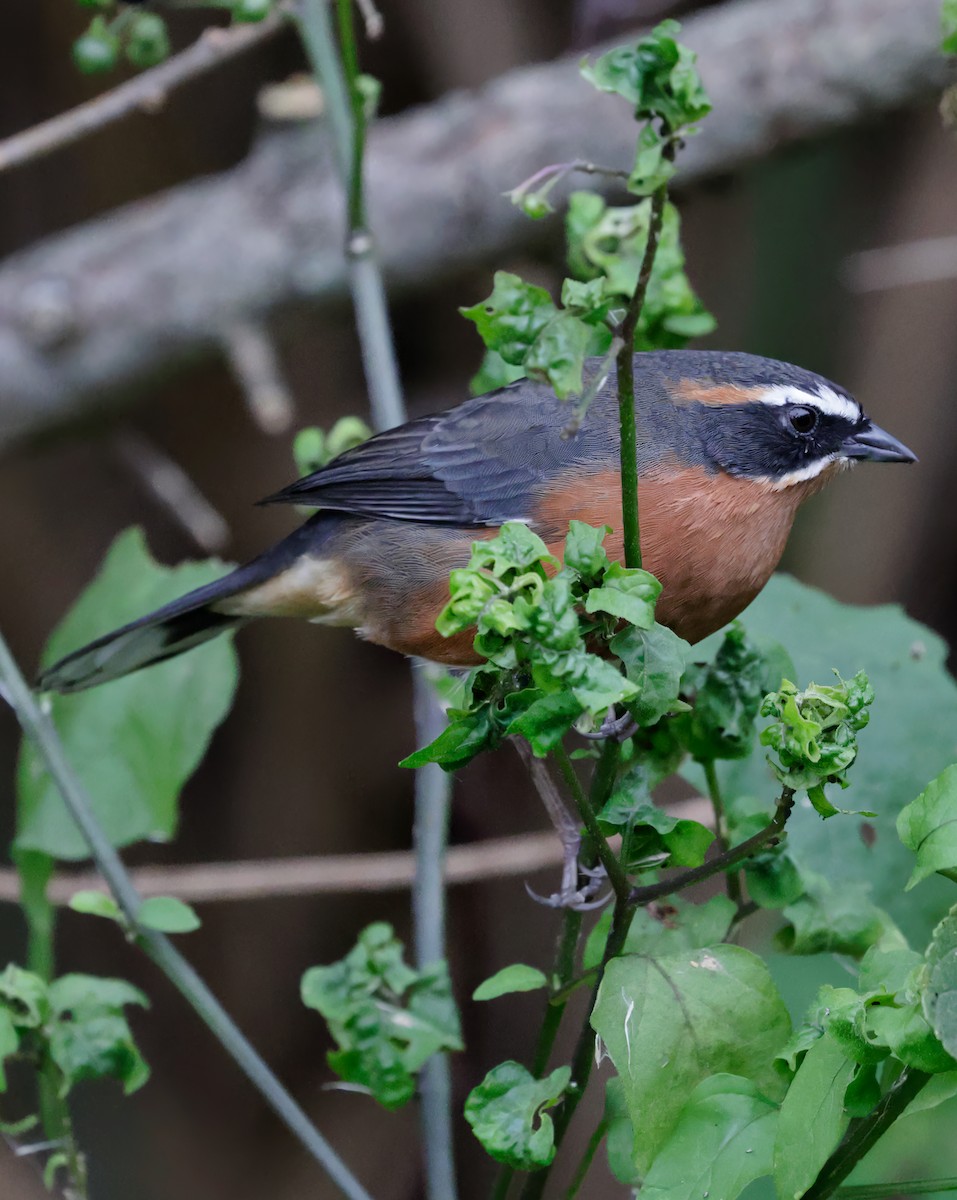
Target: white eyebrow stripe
824	399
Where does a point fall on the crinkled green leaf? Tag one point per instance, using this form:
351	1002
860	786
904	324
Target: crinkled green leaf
608	243
516	978
168	915
656	75
585	551
557	356
157	723
494	373
774	880
670	1022
387	1018
545	722
511	318
886	972
928	826
25	996
812	1119
652	166
916	707
507	1114
654	661
727	696
724	1139
89	1036
908	1035
628	593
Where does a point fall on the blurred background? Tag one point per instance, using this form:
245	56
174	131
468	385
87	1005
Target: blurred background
771	251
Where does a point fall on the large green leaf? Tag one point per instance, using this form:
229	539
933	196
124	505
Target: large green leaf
912	737
133	742
672	1021
723	1141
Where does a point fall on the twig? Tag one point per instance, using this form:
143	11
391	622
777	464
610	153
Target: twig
902	1187
38	727
172	487
865	1133
721	826
344	105
255	364
146	92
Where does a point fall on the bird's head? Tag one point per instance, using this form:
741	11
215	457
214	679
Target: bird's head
755	418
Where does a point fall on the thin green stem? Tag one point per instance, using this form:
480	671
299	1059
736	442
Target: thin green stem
627	419
433	786
587	1158
39	728
503	1183
903	1187
864	1134
721	826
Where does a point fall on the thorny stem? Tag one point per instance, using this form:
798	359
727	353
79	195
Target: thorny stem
863	1134
40	730
627	421
733	880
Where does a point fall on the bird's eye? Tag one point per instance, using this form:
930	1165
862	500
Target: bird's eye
803	420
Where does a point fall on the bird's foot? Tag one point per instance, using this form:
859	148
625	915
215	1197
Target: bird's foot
622	728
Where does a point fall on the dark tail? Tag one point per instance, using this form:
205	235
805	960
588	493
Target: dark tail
177	626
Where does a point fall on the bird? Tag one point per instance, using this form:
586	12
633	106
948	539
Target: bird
729	446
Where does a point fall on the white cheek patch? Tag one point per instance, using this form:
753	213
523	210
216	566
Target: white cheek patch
827	402
811	471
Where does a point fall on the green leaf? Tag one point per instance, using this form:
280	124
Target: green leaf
157	723
608	244
656	75
507	1114
511	318
724	1140
916	705
812	1119
9	1042
546	721
939	992
147	40
628	593
457	744
516	978
619	1134
585	551
651	832
654	661
948	26
386	1018
672	1021
167	915
557	356
907	1034
90	1037
675	928
494	373
25	996
652	167
728	694
96	904
841	920
928	826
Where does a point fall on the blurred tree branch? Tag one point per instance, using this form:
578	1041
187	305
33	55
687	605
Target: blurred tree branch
87	314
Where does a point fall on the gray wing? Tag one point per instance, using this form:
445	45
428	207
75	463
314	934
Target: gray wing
479	464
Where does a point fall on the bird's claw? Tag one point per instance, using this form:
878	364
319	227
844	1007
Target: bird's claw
576	899
621	728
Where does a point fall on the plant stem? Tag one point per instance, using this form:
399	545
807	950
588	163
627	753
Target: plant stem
433	785
721	826
904	1187
626	379
39	728
594	1142
616	875
865	1133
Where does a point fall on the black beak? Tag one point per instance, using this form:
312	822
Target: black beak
877	445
